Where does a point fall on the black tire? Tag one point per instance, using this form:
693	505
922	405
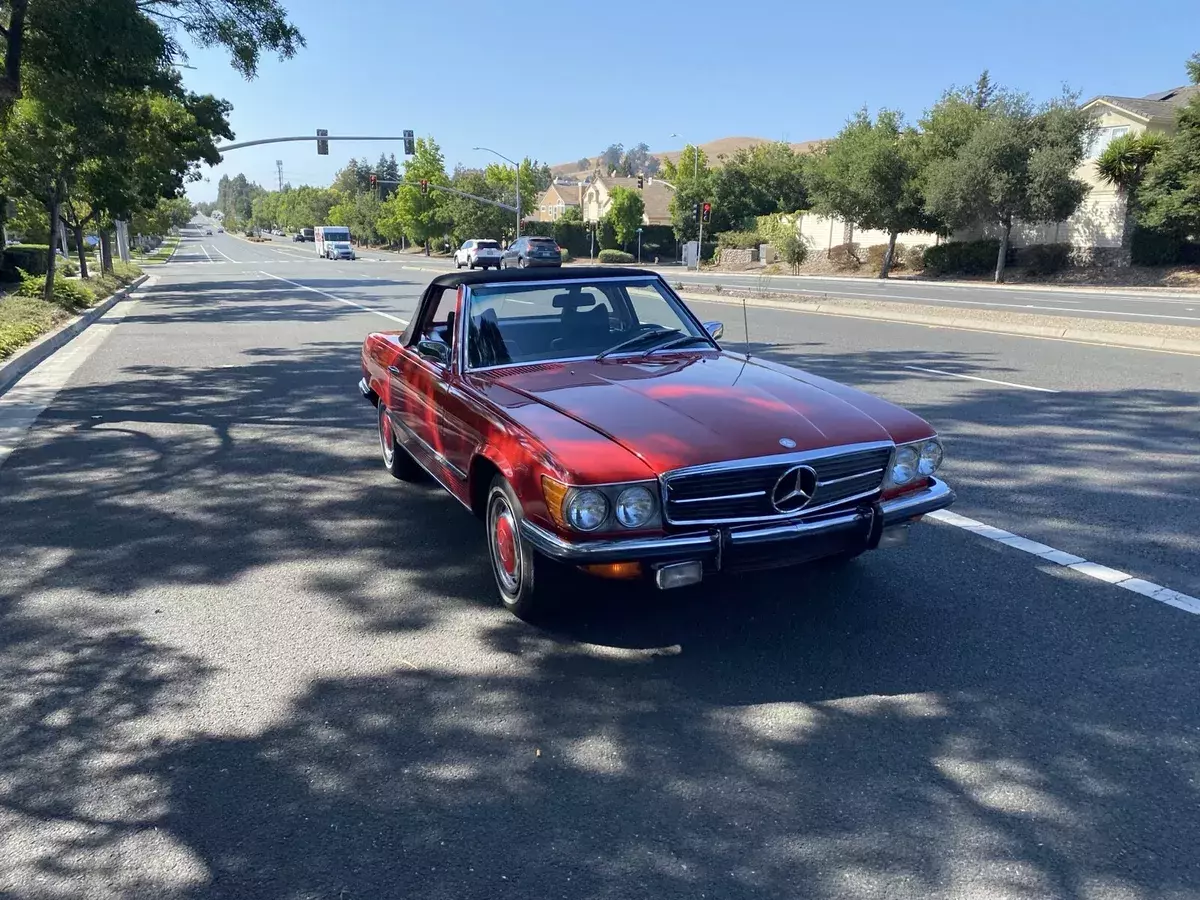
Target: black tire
520	262
471	265
395	458
527	582
457	264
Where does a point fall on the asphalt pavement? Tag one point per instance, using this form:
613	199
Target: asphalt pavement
242	661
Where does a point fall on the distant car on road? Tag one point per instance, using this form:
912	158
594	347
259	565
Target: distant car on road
478	253
333	242
297	238
306	234
591	420
208	231
527	252
220	230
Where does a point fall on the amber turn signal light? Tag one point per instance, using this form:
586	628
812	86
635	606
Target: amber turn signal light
622	570
554	492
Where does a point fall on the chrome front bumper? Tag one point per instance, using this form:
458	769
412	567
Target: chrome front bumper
794	542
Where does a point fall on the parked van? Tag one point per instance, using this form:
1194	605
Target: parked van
333	242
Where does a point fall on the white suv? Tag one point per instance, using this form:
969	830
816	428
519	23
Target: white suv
477	253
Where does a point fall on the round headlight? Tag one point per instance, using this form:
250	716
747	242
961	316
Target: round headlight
587	510
635	506
904	466
931	457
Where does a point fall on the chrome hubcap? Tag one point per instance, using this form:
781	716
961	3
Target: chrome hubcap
504	544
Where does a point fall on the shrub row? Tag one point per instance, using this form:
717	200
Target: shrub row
615	256
739	240
29	257
1045	259
964	257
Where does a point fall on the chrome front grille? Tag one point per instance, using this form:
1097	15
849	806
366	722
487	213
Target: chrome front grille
740	490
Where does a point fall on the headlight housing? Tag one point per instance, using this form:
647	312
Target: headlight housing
913	460
604	507
635	506
586	509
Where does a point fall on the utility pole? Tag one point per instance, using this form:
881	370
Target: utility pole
279	169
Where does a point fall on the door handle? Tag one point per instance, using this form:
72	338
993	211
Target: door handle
395	370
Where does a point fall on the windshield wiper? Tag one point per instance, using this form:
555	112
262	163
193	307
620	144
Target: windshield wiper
639	338
678	342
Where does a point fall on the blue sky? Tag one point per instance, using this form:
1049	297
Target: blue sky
564	80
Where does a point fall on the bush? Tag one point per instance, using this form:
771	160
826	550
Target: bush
126	273
793	249
1046	259
1155	248
964	257
739	240
615	256
30	257
564	254
70	295
845	256
875	254
914	257
22	319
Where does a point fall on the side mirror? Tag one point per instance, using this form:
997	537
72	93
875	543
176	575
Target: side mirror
715	329
435	350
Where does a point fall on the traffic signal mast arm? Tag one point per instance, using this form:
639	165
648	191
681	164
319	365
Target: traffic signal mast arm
306	137
426	186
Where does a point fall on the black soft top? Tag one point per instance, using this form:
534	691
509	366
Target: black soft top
542	273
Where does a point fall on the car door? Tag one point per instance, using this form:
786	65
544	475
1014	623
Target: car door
510	255
426	406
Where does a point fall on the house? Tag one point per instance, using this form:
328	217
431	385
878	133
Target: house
556	199
656	195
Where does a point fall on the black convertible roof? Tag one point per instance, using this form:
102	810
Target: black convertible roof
541	273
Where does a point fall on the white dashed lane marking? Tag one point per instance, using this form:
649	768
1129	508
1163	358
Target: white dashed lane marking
305	287
1026	387
1071	561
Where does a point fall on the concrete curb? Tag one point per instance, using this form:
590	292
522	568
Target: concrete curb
47	345
962	323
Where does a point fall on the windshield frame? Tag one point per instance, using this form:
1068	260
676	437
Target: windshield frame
679	307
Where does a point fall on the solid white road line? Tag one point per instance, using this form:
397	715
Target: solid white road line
210	259
332	297
1026	387
223	253
1023	306
1069	560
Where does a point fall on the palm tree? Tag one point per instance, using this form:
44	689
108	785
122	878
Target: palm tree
1123	165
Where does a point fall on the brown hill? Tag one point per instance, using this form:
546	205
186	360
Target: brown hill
726	146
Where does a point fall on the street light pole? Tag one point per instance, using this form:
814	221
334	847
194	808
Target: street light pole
518	168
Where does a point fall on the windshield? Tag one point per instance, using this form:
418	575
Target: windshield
542	243
332	235
523	323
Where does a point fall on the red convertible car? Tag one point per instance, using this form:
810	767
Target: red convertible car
591	420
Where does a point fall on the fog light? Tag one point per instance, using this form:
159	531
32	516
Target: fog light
614	570
678	575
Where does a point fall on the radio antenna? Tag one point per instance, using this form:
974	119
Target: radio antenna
746	327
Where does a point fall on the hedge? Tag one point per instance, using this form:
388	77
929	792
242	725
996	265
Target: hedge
739	240
29	257
964	257
1045	259
615	256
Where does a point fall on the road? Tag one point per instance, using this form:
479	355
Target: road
1163	307
241	661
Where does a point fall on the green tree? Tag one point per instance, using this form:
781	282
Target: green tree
692	181
1123	165
625	212
411	211
572	215
1168	197
871	174
469	218
1017	163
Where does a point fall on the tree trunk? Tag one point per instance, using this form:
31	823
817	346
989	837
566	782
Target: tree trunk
105	251
426	246
52	261
888	255
81	249
1125	256
10	81
1002	256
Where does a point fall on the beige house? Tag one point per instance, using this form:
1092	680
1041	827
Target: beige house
656	195
556	200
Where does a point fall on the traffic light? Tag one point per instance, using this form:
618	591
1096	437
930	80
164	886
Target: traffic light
696	213
706	213
322	146
640	182
409	149
424	186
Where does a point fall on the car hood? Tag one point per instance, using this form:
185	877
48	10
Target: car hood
674	410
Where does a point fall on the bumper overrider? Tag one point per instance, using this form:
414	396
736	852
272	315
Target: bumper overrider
754	547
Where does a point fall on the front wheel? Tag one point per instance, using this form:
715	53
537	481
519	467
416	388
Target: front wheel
525	580
520	262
